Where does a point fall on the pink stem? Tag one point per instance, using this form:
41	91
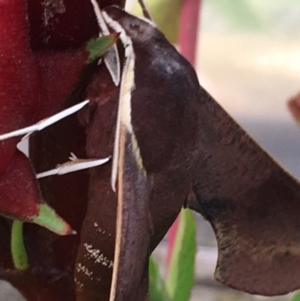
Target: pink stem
188	34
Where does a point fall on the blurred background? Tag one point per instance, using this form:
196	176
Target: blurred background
249	60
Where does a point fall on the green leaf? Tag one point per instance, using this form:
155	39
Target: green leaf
97	47
18	251
180	278
49	219
239	13
157	289
296	297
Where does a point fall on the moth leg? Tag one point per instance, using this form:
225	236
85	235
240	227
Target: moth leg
45	122
73	165
111	57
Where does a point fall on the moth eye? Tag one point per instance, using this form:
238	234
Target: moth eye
134	27
85	115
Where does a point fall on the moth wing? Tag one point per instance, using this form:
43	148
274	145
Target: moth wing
132	248
252	204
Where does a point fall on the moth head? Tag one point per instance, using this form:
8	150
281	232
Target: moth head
135	27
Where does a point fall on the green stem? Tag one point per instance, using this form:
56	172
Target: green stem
18	250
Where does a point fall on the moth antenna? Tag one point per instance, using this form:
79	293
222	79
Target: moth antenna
100	19
72	166
111	57
44	122
145	10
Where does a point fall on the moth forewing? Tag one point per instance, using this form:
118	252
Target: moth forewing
111	57
126	87
130	273
132	225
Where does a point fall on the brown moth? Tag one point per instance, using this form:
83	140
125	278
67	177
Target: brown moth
168	140
184	139
170	136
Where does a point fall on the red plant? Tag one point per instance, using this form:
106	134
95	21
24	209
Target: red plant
35	52
42	56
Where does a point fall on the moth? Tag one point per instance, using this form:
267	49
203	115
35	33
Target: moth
171	145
